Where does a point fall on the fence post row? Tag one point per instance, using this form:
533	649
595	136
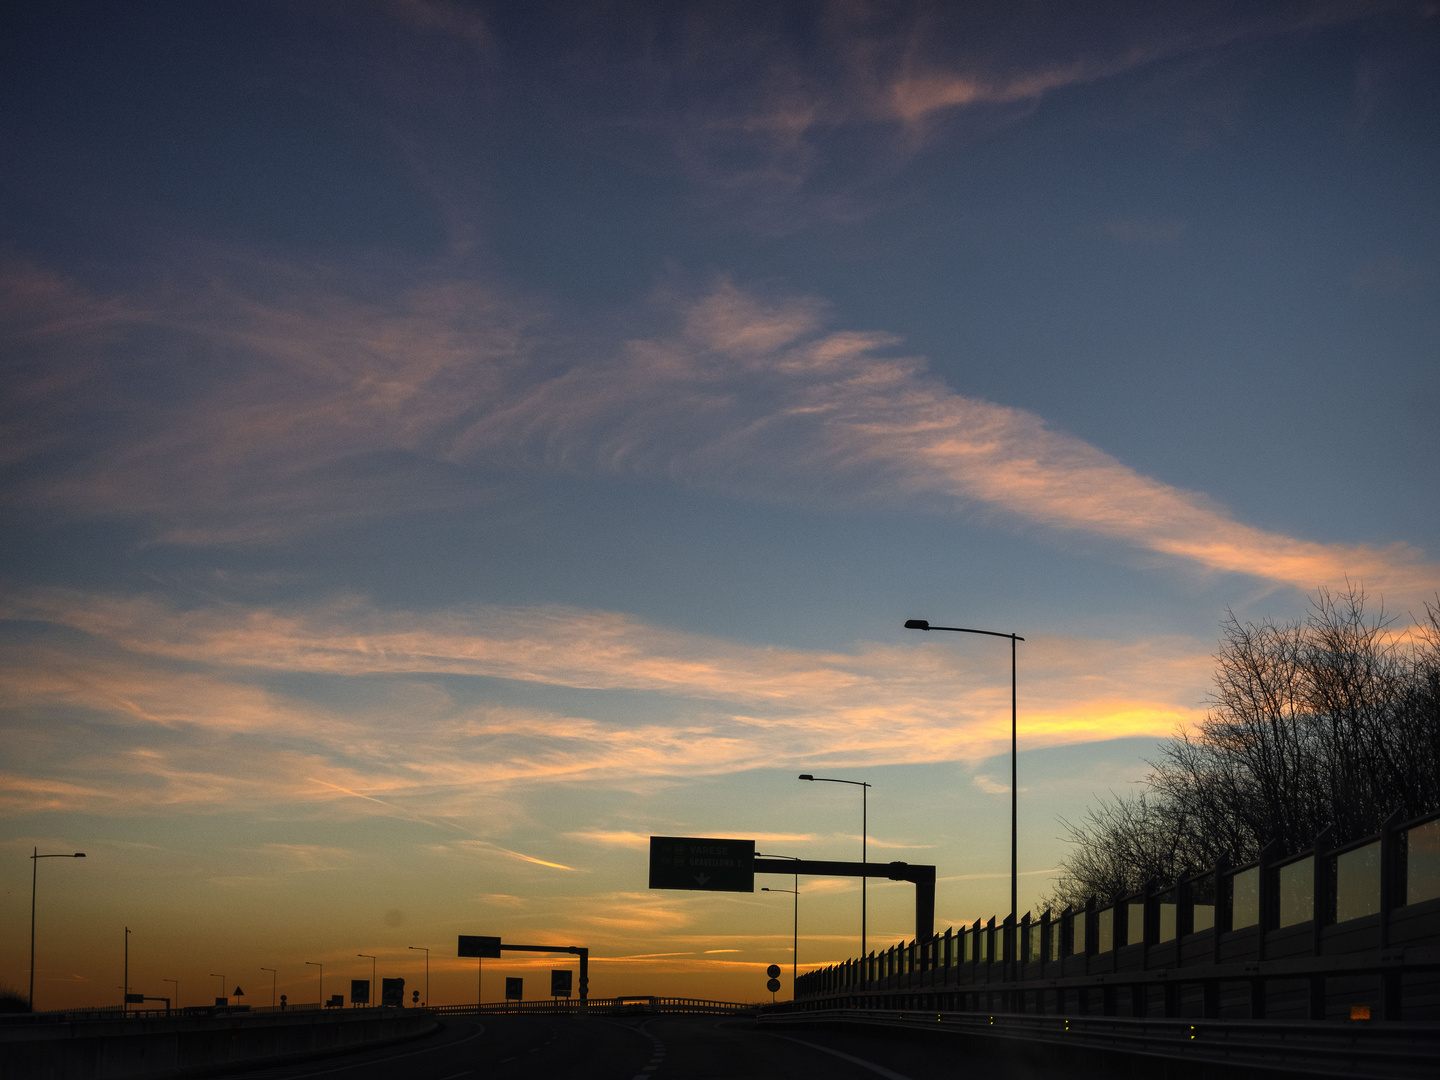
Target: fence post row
1151	934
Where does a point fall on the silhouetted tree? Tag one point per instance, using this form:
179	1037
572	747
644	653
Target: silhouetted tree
1333	722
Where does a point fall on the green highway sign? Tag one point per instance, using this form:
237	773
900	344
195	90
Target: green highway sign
702	863
470	945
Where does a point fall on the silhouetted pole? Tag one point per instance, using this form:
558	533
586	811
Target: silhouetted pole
35	858
421	948
321	966
274	975
125	994
176	983
864	834
222	986
373	988
1012	936
795	943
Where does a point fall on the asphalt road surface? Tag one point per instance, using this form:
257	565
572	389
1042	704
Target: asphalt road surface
657	1048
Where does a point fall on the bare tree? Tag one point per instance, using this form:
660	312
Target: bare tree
1333	722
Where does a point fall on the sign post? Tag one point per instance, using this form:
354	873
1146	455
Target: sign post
559	982
479	947
392	993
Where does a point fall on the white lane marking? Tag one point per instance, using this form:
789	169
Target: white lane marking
889	1074
480	1030
457	1076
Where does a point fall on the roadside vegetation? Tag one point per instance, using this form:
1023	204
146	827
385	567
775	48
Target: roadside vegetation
1332	722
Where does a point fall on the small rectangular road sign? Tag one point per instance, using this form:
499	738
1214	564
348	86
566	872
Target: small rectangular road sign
559	982
514	988
703	863
485	947
360	991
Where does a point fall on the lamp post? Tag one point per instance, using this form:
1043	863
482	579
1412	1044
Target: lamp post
373	988
795	941
314	963
421	948
864	833
921	624
274	976
222	986
35	858
176	984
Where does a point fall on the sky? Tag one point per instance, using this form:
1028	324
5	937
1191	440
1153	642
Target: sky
444	444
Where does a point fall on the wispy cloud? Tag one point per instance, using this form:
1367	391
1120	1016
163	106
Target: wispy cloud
169	693
342	409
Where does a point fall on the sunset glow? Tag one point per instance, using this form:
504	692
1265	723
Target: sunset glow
445	444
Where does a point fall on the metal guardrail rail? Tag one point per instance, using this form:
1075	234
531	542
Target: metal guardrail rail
619	1006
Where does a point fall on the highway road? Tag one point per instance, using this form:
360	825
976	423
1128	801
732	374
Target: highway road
656	1048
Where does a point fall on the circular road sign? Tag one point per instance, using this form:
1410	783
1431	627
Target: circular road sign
773	971
773	985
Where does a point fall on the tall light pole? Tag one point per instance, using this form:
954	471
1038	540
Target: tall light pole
374	990
921	624
321	966
795	940
274	976
421	948
864	833
35	858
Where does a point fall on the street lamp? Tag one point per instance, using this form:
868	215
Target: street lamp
274	975
314	963
35	858
864	814
373	988
921	624
421	948
222	986
795	941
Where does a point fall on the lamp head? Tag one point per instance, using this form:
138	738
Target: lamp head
806	776
78	855
917	624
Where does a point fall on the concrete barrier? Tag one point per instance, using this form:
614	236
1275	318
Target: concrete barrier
37	1048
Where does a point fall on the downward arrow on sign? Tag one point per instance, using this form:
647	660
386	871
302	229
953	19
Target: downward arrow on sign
702	878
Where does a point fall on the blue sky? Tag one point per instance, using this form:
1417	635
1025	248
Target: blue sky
446	443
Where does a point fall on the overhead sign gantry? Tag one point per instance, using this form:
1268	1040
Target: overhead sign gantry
480	947
711	864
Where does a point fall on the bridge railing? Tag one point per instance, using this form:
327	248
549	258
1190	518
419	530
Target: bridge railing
601	1006
1368	910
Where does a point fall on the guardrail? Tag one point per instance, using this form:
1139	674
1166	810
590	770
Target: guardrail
1311	936
620	1006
